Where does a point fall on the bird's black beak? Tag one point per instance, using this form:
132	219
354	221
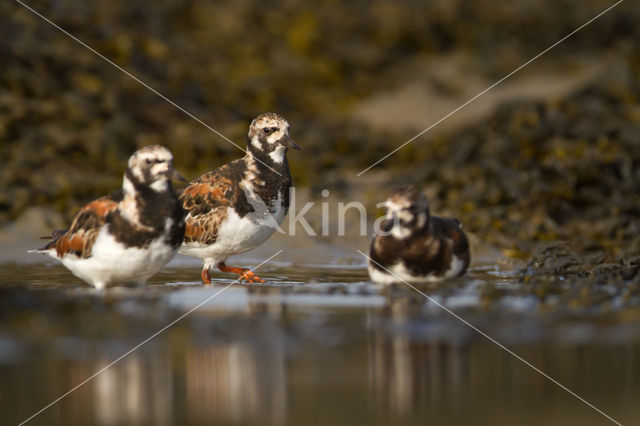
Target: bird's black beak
289	143
177	176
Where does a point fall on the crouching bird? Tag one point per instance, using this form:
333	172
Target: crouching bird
238	206
129	235
414	246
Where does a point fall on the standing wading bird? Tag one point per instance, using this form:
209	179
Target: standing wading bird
237	207
416	247
129	235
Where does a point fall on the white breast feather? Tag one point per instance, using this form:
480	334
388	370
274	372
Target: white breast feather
239	234
112	262
399	272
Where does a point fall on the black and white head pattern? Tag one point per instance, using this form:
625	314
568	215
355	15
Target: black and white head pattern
407	211
151	166
269	137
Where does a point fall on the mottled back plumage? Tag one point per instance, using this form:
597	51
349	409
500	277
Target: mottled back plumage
222	217
144	216
415	246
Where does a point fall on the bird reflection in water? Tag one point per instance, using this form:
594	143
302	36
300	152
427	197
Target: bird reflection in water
407	373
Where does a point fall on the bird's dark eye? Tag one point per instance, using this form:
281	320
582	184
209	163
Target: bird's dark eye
148	161
269	130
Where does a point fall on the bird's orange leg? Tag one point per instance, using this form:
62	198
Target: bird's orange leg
245	274
206	279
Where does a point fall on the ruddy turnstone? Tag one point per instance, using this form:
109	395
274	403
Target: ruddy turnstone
129	235
237	207
415	246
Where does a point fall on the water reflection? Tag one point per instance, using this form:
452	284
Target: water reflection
294	355
406	373
232	384
138	391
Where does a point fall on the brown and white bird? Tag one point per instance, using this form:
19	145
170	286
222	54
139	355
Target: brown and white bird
237	207
414	246
129	235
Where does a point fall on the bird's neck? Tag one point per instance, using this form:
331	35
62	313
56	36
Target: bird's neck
143	204
418	226
267	163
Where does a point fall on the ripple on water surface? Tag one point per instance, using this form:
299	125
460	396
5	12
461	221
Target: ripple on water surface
267	350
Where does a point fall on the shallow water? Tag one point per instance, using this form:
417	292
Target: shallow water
318	344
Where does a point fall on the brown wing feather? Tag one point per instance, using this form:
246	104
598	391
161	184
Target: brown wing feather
206	200
430	253
78	239
452	229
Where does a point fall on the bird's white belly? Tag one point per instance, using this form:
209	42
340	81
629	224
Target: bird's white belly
111	262
399	273
238	234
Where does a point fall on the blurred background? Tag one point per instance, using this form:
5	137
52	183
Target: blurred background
543	170
552	153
